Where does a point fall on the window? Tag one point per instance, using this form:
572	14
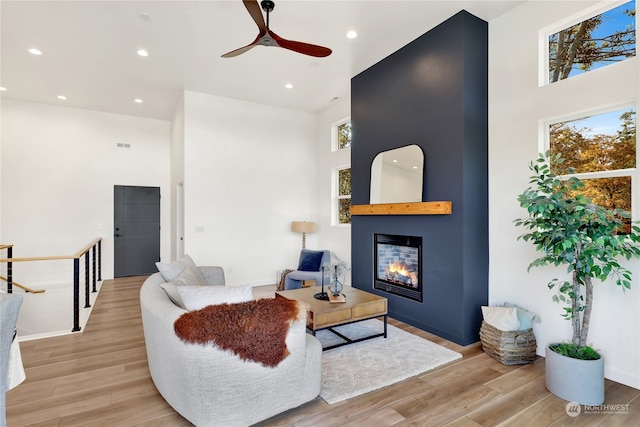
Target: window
344	196
593	43
342	135
601	151
341	179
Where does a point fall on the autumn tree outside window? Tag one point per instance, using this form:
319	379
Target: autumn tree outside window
344	196
343	134
604	39
341	192
601	151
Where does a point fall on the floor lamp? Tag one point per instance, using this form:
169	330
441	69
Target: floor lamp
303	227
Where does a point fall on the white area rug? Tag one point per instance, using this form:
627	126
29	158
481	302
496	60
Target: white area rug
362	367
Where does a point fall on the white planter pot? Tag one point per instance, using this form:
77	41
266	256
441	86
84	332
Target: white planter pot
575	380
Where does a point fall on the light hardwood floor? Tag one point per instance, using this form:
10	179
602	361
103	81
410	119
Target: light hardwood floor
100	378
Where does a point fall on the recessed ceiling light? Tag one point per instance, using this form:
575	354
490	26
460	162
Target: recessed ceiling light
61	97
35	51
2	88
142	52
289	86
138	101
352	34
395	161
415	167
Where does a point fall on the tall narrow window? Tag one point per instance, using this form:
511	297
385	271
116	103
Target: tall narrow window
601	151
342	135
341	180
593	43
344	196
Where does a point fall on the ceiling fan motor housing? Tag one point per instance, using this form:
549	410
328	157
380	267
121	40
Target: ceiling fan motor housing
267	5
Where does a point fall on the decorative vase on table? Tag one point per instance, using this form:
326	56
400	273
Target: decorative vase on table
335	287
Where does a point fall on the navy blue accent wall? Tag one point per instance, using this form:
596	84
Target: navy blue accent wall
433	93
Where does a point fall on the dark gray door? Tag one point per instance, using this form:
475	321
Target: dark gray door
136	219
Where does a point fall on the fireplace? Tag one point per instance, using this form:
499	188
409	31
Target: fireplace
397	261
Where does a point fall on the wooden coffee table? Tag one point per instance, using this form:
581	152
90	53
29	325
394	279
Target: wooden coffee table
359	306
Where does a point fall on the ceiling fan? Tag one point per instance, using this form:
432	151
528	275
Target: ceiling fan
266	37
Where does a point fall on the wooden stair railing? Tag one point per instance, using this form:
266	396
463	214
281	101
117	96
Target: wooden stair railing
94	248
24	288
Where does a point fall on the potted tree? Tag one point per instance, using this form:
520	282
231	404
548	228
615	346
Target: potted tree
570	230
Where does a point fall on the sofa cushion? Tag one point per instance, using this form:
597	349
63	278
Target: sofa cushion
171	289
186	278
171	270
254	330
197	297
502	318
188	261
310	260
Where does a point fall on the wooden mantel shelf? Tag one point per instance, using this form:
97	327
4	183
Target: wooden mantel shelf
417	208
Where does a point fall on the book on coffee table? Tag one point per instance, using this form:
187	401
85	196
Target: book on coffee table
336	298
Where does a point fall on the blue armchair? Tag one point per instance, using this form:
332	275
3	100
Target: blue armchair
309	268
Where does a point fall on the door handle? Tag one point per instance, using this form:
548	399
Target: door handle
116	235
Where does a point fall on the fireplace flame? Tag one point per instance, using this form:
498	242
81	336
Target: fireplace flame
399	268
399	272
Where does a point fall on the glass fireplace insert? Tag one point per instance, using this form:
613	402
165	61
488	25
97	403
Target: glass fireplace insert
397	265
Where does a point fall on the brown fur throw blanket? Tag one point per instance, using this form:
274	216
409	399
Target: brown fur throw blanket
254	330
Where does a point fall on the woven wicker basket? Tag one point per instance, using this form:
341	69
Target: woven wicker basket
508	347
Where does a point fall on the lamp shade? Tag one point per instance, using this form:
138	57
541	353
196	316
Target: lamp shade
303	227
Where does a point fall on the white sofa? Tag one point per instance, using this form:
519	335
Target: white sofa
213	387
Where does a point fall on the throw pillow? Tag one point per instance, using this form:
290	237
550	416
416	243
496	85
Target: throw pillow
525	317
310	260
188	261
502	318
197	297
171	270
171	289
186	278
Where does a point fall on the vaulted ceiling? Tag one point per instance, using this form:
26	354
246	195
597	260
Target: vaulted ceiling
89	50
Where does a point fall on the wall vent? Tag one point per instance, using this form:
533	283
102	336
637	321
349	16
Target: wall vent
122	145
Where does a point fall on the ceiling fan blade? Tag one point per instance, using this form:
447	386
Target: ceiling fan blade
300	47
243	49
256	13
238	51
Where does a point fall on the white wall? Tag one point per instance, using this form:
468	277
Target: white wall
177	179
59	166
517	107
249	170
336	238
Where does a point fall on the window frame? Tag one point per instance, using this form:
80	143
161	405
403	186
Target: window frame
546	32
632	173
335	205
334	135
